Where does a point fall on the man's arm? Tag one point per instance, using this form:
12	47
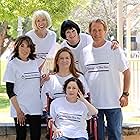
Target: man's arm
126	80
126	85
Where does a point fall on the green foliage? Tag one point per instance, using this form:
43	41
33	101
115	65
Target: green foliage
2	89
11	9
4	102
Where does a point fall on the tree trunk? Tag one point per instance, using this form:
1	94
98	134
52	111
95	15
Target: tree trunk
3	31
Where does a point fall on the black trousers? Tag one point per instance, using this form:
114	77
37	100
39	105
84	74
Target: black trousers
34	122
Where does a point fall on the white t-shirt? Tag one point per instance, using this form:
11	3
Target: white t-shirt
54	87
45	47
70	118
26	79
85	40
102	67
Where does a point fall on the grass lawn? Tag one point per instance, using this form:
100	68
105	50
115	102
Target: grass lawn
4	100
3	64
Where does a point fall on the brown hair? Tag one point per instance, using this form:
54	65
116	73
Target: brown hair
72	67
77	81
19	41
98	21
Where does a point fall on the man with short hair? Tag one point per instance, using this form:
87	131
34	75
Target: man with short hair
102	67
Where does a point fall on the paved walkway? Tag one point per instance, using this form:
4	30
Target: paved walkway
129	122
5	117
131	119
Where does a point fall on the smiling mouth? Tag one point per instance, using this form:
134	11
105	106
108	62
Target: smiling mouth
41	27
24	53
73	37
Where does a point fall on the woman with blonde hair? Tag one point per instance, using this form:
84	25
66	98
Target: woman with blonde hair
42	36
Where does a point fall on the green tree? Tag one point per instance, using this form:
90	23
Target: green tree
11	9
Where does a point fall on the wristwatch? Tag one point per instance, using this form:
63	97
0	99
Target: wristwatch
125	93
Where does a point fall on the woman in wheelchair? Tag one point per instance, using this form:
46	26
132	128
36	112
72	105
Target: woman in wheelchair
64	68
69	113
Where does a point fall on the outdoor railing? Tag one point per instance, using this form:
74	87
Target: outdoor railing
134	99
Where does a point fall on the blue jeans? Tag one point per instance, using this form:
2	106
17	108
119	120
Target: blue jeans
114	124
65	138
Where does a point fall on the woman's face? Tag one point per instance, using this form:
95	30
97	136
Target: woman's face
64	60
41	23
24	51
72	90
71	35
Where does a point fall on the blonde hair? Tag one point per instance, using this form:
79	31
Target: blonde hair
41	13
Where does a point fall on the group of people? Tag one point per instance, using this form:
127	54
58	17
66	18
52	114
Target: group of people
86	64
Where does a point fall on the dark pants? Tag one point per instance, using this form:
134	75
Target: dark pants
34	122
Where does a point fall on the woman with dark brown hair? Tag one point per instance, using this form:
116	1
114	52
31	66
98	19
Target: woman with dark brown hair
76	41
64	68
70	113
22	77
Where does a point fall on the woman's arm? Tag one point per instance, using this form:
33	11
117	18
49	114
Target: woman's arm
10	89
44	77
92	110
20	114
56	132
12	97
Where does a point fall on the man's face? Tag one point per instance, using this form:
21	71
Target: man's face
97	31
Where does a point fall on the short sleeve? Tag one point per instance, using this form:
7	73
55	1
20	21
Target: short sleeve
89	39
10	74
44	92
122	62
63	44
